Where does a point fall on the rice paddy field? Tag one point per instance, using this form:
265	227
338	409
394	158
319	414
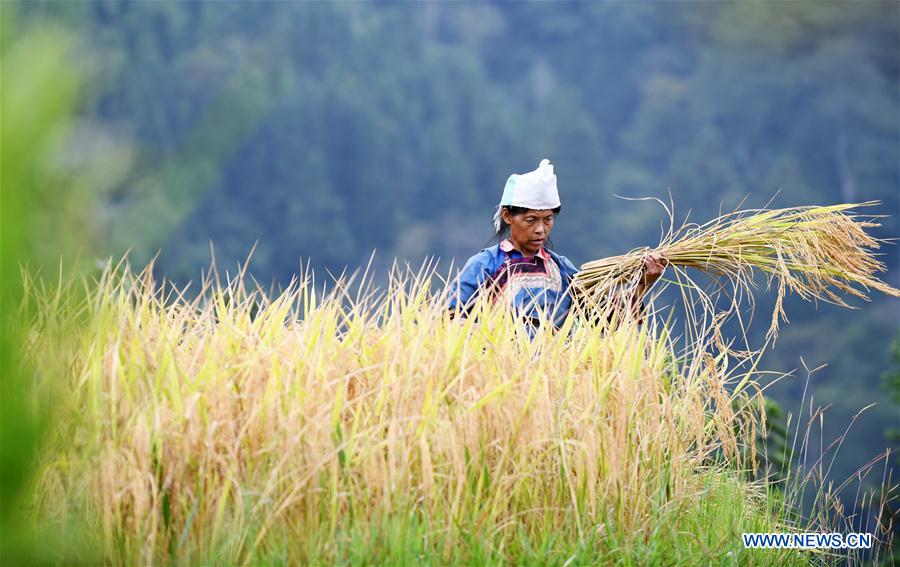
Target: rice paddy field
356	425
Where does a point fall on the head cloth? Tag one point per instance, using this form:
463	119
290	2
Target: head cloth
533	190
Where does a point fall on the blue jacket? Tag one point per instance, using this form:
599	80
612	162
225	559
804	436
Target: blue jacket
541	282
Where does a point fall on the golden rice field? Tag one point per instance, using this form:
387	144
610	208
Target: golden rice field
365	426
351	424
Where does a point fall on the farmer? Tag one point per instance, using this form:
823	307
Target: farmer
519	270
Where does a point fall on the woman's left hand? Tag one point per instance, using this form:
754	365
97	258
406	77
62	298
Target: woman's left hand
654	266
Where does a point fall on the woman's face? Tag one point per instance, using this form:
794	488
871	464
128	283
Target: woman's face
529	230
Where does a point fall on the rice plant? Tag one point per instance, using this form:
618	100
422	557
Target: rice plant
353	424
348	423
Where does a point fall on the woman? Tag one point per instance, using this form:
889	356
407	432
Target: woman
519	270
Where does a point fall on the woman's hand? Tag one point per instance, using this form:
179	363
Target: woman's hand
654	266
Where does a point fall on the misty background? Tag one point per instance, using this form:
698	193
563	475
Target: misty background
323	131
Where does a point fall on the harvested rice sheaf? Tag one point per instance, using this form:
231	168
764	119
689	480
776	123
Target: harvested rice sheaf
815	252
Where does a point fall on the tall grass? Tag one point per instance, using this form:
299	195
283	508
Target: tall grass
362	425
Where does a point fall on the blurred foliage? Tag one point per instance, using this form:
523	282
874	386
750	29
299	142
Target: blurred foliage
890	513
47	194
36	108
324	130
891	380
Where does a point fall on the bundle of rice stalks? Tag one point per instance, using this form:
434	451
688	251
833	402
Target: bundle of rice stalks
813	251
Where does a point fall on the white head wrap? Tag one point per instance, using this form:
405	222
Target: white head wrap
533	190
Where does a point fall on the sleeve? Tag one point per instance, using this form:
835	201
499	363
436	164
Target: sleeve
464	287
567	268
638	308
